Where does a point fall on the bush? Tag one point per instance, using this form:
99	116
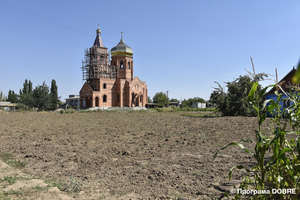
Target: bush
159	109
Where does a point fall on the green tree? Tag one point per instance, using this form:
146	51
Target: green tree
41	97
26	94
235	101
2	96
161	99
185	103
12	97
53	95
174	100
149	100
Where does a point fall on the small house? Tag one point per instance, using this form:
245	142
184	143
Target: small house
73	100
199	105
285	84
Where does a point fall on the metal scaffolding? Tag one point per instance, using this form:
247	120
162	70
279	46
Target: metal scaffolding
96	64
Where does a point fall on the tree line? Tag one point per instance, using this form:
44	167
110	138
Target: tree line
162	100
40	97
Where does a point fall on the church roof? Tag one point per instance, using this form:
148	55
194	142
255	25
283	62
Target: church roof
98	41
121	49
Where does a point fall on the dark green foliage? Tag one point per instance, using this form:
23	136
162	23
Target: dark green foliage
53	95
234	102
26	94
41	97
174	100
161	99
38	98
149	100
12	97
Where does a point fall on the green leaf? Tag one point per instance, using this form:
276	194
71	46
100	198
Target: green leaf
296	78
282	151
264	91
276	149
251	95
239	145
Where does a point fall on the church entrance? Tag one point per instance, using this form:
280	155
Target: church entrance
135	100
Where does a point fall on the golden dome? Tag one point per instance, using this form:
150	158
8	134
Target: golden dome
98	31
121	49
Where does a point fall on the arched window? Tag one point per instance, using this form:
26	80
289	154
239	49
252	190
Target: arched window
121	65
104	98
132	96
128	65
104	85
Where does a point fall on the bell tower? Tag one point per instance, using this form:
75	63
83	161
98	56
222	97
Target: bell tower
121	57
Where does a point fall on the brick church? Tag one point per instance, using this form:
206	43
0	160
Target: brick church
109	81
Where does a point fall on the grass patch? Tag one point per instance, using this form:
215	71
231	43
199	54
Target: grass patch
12	179
53	183
9	159
74	186
11	192
197	173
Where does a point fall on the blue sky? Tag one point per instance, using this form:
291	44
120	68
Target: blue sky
179	46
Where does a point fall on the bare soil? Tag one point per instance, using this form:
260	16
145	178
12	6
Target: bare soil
124	155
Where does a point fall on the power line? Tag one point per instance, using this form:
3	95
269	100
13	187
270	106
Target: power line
164	59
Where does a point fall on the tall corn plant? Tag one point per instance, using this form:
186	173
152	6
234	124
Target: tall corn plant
279	169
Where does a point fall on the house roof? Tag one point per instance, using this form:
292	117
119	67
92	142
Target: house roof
284	82
4	103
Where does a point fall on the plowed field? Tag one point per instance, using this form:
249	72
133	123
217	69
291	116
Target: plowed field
128	155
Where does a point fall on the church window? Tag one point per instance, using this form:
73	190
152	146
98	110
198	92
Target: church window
128	65
104	85
132	96
104	98
121	65
118	98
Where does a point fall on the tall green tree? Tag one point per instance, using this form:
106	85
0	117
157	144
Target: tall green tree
26	94
41	97
2	96
53	95
12	97
161	99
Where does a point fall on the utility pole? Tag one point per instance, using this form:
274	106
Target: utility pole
167	98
